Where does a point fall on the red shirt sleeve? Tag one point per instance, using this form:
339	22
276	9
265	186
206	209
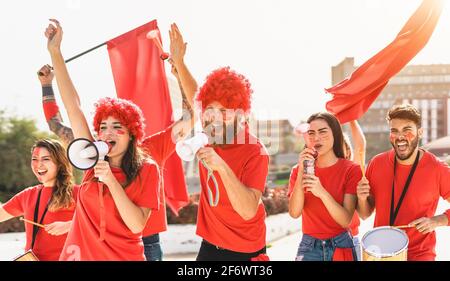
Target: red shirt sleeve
292	179
149	185
444	181
160	146
255	172
354	175
16	205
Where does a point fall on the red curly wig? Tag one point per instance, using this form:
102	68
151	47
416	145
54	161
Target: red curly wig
128	113
227	87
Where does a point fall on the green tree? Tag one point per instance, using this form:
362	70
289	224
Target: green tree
17	136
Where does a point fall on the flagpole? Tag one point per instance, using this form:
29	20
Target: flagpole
85	52
40	73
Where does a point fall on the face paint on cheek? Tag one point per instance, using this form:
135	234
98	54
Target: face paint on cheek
35	163
409	136
120	132
392	138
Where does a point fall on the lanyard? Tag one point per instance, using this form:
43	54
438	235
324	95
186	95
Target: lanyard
36	214
212	202
394	210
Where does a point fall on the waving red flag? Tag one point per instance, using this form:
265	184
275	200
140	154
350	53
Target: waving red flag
139	76
353	96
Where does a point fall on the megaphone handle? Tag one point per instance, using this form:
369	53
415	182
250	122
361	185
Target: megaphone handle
212	202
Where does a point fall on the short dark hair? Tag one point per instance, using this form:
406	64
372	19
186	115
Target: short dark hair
336	129
407	112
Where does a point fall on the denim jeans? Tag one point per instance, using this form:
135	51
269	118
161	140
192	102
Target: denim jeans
313	249
152	248
357	247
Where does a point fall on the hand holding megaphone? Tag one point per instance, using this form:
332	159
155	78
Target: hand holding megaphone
187	149
84	154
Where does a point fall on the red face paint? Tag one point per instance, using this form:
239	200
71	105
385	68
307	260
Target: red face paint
35	163
409	136
120	132
392	137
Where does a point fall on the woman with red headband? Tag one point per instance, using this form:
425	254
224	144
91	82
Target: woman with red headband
110	213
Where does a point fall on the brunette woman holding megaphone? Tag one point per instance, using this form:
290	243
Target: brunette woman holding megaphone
111	214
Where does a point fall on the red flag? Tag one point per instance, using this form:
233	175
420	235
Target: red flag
353	96
139	76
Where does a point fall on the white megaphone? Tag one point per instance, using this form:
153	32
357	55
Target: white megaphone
187	149
84	154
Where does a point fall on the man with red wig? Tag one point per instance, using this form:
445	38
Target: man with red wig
233	171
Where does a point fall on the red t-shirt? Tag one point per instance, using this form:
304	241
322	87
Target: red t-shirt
430	181
222	225
46	247
83	241
339	179
159	146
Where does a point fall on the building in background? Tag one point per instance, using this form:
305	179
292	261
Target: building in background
425	86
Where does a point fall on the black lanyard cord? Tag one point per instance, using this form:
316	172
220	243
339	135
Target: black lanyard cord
394	210
36	214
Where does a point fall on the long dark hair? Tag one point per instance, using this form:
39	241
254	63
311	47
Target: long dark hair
132	161
338	136
62	191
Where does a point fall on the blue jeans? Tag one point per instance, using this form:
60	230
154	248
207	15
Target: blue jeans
313	249
357	247
152	248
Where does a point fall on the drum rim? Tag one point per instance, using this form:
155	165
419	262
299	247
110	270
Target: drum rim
384	255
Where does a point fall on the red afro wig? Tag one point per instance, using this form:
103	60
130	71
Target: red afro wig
129	114
227	87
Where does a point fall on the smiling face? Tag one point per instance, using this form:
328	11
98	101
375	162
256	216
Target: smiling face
43	166
219	123
117	135
320	137
404	137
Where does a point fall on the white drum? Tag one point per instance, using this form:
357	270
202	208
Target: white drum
385	244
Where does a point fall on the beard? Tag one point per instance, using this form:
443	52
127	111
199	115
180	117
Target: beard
221	134
409	151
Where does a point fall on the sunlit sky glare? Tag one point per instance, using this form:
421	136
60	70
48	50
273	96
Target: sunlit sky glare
285	47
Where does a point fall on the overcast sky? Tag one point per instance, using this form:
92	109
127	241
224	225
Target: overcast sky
285	47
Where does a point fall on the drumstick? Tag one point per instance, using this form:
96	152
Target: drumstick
32	222
363	161
404	226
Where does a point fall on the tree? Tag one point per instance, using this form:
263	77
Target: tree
17	136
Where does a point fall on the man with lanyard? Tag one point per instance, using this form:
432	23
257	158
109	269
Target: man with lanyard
404	185
233	173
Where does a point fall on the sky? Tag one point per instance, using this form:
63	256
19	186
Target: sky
286	48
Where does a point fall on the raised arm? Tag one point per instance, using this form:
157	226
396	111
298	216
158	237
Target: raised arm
69	95
51	109
359	142
188	85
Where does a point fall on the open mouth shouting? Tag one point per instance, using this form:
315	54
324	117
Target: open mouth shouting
42	172
402	146
111	143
